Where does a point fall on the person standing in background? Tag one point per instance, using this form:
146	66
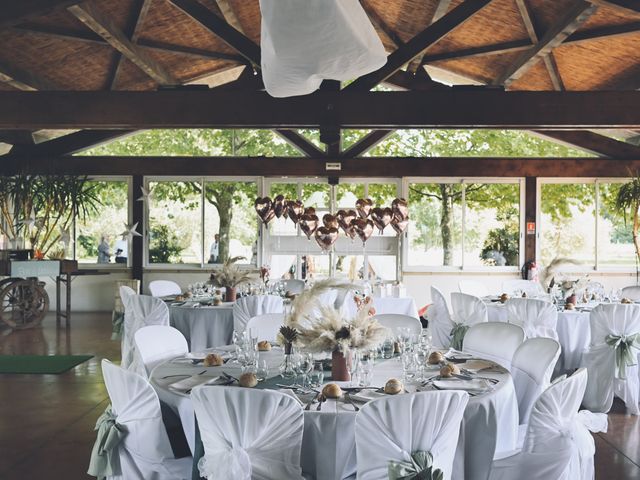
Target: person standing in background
104	253
215	249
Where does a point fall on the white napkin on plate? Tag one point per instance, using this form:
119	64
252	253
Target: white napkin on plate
477	385
192	381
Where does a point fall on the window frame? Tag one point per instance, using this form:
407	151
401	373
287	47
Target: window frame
462	268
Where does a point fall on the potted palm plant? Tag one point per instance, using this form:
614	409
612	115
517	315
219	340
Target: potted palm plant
628	203
229	277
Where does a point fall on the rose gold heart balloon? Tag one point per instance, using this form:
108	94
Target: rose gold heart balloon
309	211
400	208
279	205
264	209
330	221
363	228
399	225
326	236
294	210
344	220
308	224
381	217
363	206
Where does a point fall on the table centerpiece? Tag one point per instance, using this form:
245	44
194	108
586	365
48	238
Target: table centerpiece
229	276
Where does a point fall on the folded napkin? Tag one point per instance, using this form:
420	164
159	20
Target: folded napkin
457	354
477	385
367	395
192	381
476	365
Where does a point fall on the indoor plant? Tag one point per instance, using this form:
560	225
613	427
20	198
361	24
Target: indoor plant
628	203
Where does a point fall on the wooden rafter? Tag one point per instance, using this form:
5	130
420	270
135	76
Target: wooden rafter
366	143
103	26
592	142
452	108
22	80
380	24
304	146
229	14
419	44
567	24
304	166
13	12
625	6
438	13
71	143
17	137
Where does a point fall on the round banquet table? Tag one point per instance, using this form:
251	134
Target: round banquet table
400	305
489	425
203	326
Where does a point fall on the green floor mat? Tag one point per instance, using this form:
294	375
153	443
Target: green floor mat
40	363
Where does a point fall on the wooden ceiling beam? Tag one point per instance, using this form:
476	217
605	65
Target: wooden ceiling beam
23	80
366	143
624	6
371	167
380	24
419	43
71	143
304	145
567	24
103	26
17	137
592	142
451	108
220	28
16	11
438	13
230	15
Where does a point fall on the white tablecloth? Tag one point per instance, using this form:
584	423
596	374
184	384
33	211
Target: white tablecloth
490	422
401	305
496	312
204	327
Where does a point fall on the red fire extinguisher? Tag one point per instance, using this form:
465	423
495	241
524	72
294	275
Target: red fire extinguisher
530	271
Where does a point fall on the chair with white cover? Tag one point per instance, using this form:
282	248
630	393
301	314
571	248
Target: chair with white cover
467	310
161	288
293	286
473	287
612	357
557	444
439	317
392	429
265	326
250	306
531	370
139	311
157	343
495	341
395	321
631	292
537	317
530	287
132	441
248	434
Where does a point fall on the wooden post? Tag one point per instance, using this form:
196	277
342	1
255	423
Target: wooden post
530	208
137	211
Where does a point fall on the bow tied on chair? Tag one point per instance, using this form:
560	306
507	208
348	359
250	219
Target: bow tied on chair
457	335
105	459
233	462
419	467
626	347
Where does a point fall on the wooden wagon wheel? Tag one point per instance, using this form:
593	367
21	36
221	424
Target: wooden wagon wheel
23	303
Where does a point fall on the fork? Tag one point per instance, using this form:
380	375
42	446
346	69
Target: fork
321	400
348	398
315	398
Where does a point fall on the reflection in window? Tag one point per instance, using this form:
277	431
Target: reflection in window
615	236
283	225
98	238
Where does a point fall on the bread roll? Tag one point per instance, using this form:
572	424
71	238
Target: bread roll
331	390
213	360
449	370
393	386
569	306
504	297
264	346
248	379
435	358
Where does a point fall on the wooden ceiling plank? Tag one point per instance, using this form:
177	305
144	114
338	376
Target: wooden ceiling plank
103	26
592	142
452	108
219	27
438	13
300	142
370	167
230	15
567	24
190	51
380	24
624	6
23	80
16	11
366	143
419	43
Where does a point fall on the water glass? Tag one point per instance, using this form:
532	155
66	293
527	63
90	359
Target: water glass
262	371
317	375
387	349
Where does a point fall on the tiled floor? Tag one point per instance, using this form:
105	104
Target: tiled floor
46	421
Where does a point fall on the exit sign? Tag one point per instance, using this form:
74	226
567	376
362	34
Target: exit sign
531	228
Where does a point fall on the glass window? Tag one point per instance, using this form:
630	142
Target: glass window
615	235
568	222
282	225
231	223
175	219
98	232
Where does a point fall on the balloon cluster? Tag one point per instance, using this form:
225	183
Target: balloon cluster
359	222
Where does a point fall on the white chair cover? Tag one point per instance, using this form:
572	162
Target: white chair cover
496	341
293	286
394	321
473	287
139	311
247	307
157	343
530	287
467	310
440	323
160	288
145	451
558	444
248	434
266	326
306	42
631	292
392	428
618	320
531	370
537	317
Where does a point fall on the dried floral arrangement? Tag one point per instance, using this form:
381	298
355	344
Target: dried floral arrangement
323	328
230	275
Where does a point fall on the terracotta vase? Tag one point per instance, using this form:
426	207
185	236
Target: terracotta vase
339	367
572	299
230	294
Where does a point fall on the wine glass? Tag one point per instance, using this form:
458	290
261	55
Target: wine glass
305	366
317	374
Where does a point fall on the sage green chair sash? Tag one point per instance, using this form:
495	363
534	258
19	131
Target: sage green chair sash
626	348
117	319
457	335
420	467
105	459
